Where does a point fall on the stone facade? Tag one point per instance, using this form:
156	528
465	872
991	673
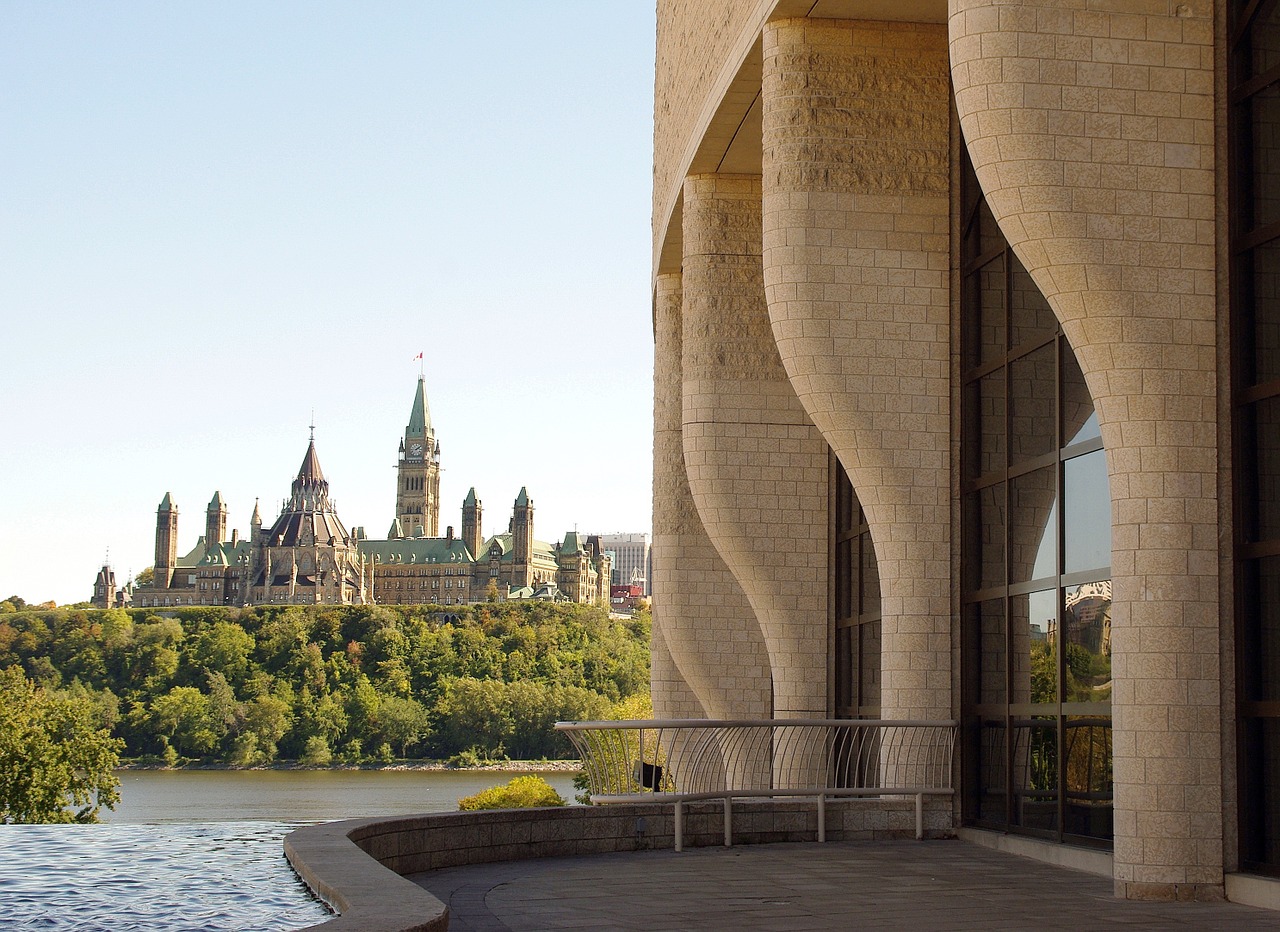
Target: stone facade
1011	327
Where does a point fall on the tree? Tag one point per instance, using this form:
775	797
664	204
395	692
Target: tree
55	763
145	577
402	721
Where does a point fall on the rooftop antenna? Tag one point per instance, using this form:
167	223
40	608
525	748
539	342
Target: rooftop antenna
313	423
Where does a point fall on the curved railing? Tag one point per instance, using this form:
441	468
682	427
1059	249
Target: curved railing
686	760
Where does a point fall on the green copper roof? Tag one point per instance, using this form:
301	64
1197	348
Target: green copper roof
419	414
572	543
542	551
166	504
471	497
215	503
396	531
523	497
412	550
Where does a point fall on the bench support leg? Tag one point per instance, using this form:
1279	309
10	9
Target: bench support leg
822	818
679	820
728	822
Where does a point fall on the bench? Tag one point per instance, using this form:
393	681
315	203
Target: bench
695	760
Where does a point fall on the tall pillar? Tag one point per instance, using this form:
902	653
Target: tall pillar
703	626
856	257
757	466
1092	137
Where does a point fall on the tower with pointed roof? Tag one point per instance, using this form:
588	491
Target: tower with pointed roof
166	542
215	521
472	532
522	539
307	556
418	472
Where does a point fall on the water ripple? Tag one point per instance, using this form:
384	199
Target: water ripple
160	878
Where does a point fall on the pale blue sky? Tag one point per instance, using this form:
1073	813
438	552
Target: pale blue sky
216	217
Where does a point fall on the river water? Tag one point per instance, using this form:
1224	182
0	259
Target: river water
202	850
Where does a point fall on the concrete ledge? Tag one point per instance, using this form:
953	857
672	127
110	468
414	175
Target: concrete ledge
1089	860
1253	890
357	866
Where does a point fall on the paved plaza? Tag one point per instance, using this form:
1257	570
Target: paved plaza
839	885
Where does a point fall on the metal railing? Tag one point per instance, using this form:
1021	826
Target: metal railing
683	760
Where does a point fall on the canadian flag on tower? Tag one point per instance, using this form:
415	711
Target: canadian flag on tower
419	356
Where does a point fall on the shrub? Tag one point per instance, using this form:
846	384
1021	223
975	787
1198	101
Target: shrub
526	792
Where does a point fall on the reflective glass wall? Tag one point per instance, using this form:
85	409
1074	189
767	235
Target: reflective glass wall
1036	555
1254	63
856	604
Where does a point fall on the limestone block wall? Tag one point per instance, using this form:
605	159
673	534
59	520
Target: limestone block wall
856	257
1091	131
709	657
757	466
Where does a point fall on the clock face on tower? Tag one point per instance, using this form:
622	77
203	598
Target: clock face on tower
415	451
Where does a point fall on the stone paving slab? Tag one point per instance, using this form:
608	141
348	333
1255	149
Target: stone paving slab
839	885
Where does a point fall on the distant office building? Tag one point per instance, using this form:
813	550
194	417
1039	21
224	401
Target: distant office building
632	564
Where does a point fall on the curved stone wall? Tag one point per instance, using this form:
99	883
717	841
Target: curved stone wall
1091	132
757	466
701	618
856	258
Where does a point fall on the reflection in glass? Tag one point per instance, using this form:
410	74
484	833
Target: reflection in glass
991	337
993	667
1033	542
993	772
1265	147
1087	513
869	665
1265	263
844	668
1264	578
1086	622
1035	772
1033	625
870	597
1265	423
1088	776
1079	419
1032	387
1032	319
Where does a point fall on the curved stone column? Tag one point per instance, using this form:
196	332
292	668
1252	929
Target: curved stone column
702	621
757	467
855	173
1092	135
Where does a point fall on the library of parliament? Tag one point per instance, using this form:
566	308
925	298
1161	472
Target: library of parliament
307	556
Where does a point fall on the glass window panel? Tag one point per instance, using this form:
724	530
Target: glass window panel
1087	776
1264	126
1035	772
989	453
1087	510
1267	811
1032	391
846	576
1033	531
985	517
1033	628
993	649
1030	316
869	666
1263	590
1264	40
844	669
1086	625
1079	419
993	772
870	576
993	340
1265	280
1265	418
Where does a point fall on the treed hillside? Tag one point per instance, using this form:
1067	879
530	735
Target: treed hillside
327	684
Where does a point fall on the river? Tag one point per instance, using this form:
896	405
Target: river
202	850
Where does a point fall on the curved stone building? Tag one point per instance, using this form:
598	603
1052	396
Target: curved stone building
967	368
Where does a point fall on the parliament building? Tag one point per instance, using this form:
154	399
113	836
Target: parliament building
307	556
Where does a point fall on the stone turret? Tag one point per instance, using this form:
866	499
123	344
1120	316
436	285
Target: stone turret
522	539
215	522
166	542
472	530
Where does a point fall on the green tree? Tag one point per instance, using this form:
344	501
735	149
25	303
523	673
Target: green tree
55	762
403	722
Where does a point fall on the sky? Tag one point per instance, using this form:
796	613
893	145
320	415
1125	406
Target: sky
219	218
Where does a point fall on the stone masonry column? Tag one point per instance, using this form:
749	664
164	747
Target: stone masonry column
856	271
757	466
709	657
1091	131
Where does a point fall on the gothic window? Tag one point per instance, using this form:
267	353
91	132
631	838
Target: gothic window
1254	165
1036	554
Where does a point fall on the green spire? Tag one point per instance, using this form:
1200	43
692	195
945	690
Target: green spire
419	414
471	497
166	503
215	503
523	498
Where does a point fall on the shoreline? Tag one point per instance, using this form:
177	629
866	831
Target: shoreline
428	766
